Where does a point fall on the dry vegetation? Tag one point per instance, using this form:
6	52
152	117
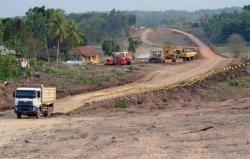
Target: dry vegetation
71	80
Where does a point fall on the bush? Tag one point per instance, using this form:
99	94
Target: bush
121	73
121	105
130	68
239	83
10	68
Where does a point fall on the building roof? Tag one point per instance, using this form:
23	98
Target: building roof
6	51
86	51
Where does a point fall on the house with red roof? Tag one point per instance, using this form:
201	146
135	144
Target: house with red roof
86	54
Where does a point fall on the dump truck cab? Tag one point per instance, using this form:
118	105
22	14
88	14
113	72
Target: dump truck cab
27	100
34	101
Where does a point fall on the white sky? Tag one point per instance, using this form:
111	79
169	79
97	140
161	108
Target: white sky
10	8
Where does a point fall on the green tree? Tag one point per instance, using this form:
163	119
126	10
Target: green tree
1	32
245	23
57	29
109	47
133	44
9	68
74	37
38	19
246	8
98	26
237	44
15	35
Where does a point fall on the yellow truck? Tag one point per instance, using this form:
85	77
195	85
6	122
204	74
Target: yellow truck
172	52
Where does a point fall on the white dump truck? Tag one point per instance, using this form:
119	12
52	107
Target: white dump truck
34	101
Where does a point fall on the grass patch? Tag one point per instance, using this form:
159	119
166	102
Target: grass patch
228	51
226	90
121	105
10	68
60	72
95	82
91	75
120	73
240	82
216	93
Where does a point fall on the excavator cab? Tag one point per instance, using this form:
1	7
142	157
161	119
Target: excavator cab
171	52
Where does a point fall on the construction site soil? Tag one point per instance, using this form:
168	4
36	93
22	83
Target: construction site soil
179	124
204	121
164	99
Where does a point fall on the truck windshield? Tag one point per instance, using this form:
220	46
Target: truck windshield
25	94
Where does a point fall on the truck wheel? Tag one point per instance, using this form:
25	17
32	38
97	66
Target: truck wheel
174	60
48	112
19	116
38	114
51	109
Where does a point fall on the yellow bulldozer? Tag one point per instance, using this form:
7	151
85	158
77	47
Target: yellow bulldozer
173	52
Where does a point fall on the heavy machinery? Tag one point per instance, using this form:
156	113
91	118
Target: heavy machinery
34	101
173	52
119	58
156	56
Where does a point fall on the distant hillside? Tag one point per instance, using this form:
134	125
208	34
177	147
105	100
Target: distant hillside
101	25
175	17
98	26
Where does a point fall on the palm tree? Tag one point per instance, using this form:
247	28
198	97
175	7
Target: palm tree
74	37
57	29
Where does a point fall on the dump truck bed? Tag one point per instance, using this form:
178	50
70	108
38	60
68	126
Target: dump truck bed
188	54
48	95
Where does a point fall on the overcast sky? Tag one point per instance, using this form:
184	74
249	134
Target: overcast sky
10	8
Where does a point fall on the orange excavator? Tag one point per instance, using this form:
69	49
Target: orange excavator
119	58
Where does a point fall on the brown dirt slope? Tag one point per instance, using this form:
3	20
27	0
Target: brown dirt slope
184	127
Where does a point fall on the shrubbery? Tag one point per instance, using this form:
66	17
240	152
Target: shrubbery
9	68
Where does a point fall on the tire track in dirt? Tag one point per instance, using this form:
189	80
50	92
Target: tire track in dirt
153	147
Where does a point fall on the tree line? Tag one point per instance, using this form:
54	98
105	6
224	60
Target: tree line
99	26
219	28
175	17
39	30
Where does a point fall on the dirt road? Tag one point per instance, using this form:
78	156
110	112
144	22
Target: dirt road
136	133
164	75
200	130
160	75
